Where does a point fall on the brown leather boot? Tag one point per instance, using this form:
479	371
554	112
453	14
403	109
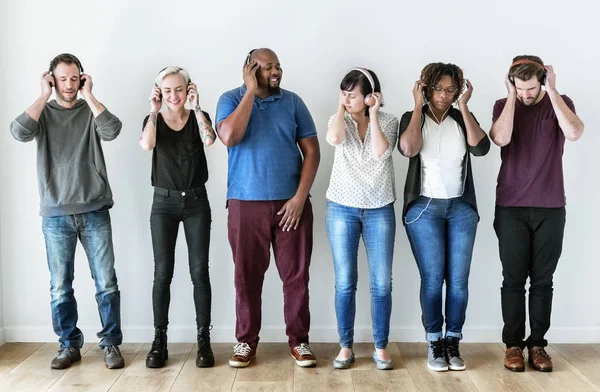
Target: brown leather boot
514	360
539	359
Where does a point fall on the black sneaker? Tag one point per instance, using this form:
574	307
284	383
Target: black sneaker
455	362
66	357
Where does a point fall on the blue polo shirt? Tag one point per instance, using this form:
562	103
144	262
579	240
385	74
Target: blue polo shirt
267	163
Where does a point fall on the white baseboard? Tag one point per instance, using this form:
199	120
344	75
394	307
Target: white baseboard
139	334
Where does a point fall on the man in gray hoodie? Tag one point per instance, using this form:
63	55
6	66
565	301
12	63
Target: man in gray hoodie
74	201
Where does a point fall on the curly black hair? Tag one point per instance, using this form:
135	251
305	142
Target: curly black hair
434	72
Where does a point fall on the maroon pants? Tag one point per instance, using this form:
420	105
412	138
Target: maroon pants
253	226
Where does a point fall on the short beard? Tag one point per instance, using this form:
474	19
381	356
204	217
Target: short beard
534	100
64	99
273	90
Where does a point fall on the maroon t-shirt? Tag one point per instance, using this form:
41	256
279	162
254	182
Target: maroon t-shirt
531	174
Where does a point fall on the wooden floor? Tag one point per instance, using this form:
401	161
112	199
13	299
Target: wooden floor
26	367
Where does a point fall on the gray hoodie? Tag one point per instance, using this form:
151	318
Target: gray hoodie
71	171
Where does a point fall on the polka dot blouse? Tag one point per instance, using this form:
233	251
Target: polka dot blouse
358	178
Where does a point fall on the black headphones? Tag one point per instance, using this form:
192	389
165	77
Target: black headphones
542	80
67	57
249	56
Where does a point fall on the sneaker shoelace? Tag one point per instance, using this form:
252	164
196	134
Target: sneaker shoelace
452	347
303	349
112	349
68	350
438	349
242	349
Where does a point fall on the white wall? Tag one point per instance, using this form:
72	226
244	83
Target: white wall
123	44
3	63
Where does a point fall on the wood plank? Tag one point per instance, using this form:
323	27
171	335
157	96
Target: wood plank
12	354
18	351
273	363
137	377
218	378
485	367
564	376
423	379
584	357
269	386
34	373
323	377
366	377
92	375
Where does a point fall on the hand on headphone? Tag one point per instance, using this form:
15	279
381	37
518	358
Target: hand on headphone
512	91
550	79
47	82
155	99
378	100
467	94
87	87
419	93
249	75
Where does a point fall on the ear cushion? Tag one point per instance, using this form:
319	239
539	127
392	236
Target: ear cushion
370	100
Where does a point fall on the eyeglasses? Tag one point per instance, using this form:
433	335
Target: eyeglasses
449	90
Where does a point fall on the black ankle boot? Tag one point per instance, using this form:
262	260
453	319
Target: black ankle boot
158	353
204	355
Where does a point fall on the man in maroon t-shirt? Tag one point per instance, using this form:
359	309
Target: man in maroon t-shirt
530	125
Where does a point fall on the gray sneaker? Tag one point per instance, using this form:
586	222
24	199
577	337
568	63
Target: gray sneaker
436	356
455	362
113	357
66	357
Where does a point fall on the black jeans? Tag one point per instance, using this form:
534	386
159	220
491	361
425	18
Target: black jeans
168	209
530	241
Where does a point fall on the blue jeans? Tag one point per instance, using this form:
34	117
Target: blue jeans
378	228
442	234
94	231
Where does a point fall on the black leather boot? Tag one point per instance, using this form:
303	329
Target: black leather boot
158	353
204	355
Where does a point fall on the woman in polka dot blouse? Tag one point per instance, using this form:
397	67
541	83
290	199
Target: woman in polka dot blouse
360	201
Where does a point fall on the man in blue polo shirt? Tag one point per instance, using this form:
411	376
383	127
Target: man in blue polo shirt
267	195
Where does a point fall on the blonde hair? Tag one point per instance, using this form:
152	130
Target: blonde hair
171	70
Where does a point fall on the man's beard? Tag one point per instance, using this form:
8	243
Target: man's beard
534	100
273	90
65	99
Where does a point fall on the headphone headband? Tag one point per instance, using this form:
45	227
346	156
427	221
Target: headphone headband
62	57
368	75
524	61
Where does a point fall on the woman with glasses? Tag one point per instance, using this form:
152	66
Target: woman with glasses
440	211
177	137
360	202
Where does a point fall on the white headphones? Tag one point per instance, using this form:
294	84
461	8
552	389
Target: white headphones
369	99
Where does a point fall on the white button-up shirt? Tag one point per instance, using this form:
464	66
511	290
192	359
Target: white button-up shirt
358	178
